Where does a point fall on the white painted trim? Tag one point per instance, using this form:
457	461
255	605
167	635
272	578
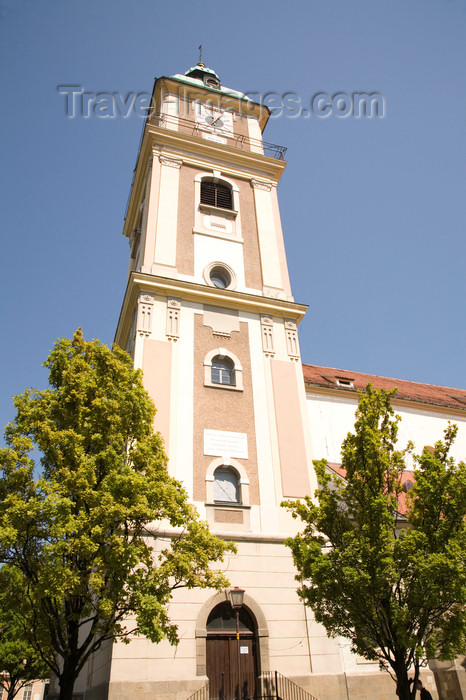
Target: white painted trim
217	234
223	352
243	479
208	269
212	176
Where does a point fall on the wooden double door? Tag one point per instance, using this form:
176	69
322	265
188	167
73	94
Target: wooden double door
232	666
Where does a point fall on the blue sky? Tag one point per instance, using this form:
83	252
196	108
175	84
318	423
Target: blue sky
373	210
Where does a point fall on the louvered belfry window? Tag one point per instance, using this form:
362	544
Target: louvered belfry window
216	195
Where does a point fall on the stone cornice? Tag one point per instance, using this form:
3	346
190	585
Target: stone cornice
164	531
247	161
201	294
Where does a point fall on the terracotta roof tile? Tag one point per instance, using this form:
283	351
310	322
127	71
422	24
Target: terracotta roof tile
411	391
407	476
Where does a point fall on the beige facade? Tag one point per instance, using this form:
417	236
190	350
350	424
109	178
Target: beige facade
37	690
209	316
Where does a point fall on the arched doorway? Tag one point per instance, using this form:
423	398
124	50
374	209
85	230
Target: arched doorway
232	664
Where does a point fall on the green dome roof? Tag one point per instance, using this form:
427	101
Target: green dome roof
200	70
207	78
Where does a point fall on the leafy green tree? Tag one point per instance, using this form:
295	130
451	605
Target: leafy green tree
104	533
20	664
395	586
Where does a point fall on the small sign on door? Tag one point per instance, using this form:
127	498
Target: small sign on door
243	650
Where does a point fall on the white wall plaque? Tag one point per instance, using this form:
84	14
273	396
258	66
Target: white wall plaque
214	137
223	443
243	650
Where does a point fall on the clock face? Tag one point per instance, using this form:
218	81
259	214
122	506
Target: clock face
214	119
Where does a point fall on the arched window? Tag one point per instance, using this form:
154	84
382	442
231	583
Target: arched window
227	489
223	371
216	194
226	485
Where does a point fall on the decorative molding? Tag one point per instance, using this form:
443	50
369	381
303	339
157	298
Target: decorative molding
261	185
145	312
220	176
222	334
274	293
291	333
222	321
267	335
201	627
173	319
243	479
170	162
162	284
208	269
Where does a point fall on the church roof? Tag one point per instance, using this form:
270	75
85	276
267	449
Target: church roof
194	76
349	381
406	478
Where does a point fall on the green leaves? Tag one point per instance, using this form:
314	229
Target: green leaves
83	534
20	662
393	583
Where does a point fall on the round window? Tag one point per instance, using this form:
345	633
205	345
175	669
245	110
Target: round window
219	274
220	277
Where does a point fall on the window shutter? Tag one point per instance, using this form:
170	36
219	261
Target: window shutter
216	195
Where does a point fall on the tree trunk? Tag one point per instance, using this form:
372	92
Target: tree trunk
66	682
404	689
13	689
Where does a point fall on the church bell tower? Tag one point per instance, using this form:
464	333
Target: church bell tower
209	317
208	312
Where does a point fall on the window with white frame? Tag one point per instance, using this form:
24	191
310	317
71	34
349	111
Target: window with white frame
222	369
227	484
216	203
220	275
344	381
27	692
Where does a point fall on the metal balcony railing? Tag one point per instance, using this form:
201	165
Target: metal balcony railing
245	143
